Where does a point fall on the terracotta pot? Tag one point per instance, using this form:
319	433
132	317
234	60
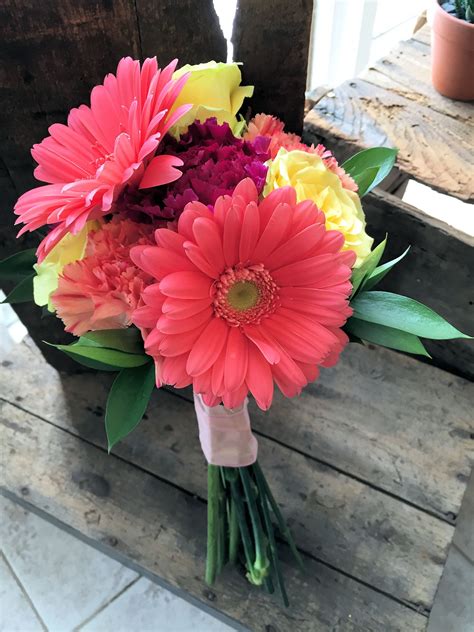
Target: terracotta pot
452	54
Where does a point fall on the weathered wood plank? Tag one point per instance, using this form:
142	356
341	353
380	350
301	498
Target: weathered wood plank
272	40
433	148
162	529
331	514
407	71
52	54
423	35
438	270
184	29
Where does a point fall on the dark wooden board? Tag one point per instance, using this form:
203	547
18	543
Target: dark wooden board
185	29
52	54
161	529
272	39
438	270
340	520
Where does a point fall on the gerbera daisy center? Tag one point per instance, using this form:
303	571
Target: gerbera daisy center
245	295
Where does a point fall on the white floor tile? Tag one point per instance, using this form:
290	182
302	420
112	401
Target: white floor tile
146	607
66	580
16	614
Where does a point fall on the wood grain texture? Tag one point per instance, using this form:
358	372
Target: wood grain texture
183	29
272	39
353	527
52	54
162	529
407	71
394	104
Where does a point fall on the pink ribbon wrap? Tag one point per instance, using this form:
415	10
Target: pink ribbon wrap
225	434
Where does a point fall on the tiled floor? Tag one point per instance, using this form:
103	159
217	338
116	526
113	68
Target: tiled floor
50	580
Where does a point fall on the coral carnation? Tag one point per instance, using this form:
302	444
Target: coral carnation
245	296
102	148
270	127
102	290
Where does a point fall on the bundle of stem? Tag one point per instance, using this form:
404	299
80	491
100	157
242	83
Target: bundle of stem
240	511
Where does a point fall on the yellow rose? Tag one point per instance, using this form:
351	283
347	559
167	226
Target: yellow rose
70	248
214	90
312	180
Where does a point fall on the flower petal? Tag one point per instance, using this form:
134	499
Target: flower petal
207	348
161	170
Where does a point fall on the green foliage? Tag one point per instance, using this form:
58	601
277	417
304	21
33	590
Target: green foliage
462	9
102	358
127	401
404	314
361	275
380	271
369	167
108	350
21	293
128	340
19	268
385	336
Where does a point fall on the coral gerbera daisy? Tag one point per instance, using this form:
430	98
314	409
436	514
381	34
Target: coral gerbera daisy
102	148
252	294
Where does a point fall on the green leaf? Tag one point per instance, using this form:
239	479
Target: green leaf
127	401
378	274
22	293
128	340
385	336
359	275
403	313
99	357
369	167
18	266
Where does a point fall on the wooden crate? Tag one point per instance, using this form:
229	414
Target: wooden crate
370	464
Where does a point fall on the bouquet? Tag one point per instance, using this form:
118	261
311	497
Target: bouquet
185	245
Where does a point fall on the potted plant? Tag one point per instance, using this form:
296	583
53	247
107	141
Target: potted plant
452	41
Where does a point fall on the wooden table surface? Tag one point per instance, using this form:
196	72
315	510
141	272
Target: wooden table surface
369	465
394	104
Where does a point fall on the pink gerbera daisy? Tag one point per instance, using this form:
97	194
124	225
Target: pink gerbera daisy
102	148
252	294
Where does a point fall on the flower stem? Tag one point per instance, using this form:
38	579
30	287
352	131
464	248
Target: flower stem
233	478
233	532
213	488
271	536
261	564
221	529
276	510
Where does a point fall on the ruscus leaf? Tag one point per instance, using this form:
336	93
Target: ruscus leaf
18	266
22	293
369	167
127	401
359	275
99	357
385	336
403	313
128	340
378	274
